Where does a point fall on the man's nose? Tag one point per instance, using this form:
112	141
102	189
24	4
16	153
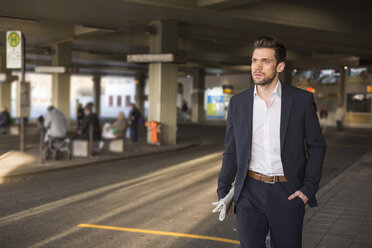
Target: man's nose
257	67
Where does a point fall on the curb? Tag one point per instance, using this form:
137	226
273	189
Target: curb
79	164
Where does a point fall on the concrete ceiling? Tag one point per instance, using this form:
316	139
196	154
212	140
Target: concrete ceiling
214	34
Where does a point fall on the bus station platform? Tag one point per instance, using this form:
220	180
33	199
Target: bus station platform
15	165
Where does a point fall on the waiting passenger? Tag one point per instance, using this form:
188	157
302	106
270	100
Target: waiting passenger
5	120
135	119
339	116
90	120
185	111
79	115
117	129
55	124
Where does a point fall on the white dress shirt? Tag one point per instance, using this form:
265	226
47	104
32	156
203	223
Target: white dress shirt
265	157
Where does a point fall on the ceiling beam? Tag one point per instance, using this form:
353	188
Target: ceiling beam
83	31
56	31
224	4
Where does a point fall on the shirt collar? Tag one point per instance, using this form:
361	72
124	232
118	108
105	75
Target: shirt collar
277	91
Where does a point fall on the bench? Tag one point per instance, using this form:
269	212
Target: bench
116	145
80	148
14	130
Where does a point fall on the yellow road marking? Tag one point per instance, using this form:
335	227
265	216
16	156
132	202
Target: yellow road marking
185	235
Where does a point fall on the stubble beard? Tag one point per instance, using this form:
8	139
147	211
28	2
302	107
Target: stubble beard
265	80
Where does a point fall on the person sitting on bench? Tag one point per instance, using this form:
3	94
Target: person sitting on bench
116	129
55	125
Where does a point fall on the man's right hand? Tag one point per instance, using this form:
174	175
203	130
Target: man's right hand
230	210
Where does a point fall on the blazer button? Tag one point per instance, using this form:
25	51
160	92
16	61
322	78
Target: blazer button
243	179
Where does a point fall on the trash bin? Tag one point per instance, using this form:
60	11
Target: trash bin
153	128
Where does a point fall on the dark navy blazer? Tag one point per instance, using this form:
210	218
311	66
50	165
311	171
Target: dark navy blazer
301	143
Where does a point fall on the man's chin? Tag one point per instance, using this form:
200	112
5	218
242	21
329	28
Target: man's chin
260	82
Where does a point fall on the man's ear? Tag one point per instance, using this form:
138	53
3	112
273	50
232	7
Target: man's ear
280	67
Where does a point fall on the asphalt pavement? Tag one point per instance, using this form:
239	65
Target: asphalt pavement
164	199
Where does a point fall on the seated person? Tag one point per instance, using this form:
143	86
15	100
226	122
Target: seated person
116	129
5	120
55	124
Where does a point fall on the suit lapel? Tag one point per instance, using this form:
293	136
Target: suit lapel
287	101
249	115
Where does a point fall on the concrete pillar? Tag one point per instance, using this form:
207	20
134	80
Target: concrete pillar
163	98
97	94
61	81
165	38
198	85
163	81
286	75
5	87
140	92
341	92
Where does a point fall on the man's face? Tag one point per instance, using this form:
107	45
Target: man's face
264	66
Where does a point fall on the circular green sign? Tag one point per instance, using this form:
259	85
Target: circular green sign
13	39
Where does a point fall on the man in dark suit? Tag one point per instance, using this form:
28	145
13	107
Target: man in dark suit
274	150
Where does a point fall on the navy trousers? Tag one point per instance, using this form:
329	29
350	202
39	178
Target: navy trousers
263	207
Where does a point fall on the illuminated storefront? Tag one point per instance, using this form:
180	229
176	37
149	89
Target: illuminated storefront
327	89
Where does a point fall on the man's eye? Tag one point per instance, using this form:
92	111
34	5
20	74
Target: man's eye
266	61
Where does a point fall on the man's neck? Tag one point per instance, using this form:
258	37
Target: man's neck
264	91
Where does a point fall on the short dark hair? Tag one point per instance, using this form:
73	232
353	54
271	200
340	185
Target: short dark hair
268	42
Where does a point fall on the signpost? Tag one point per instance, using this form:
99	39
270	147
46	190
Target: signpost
14	50
15	59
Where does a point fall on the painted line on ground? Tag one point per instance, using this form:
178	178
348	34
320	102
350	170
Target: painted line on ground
174	234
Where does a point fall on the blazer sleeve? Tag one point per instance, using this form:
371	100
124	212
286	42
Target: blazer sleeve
316	147
229	163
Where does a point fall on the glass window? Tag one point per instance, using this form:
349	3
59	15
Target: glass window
118	101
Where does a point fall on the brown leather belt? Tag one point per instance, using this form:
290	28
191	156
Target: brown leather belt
267	179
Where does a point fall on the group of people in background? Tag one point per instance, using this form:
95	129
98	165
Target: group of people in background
88	123
87	118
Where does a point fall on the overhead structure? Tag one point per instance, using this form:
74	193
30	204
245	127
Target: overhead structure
215	33
161	39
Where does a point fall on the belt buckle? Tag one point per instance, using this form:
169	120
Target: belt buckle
272	182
